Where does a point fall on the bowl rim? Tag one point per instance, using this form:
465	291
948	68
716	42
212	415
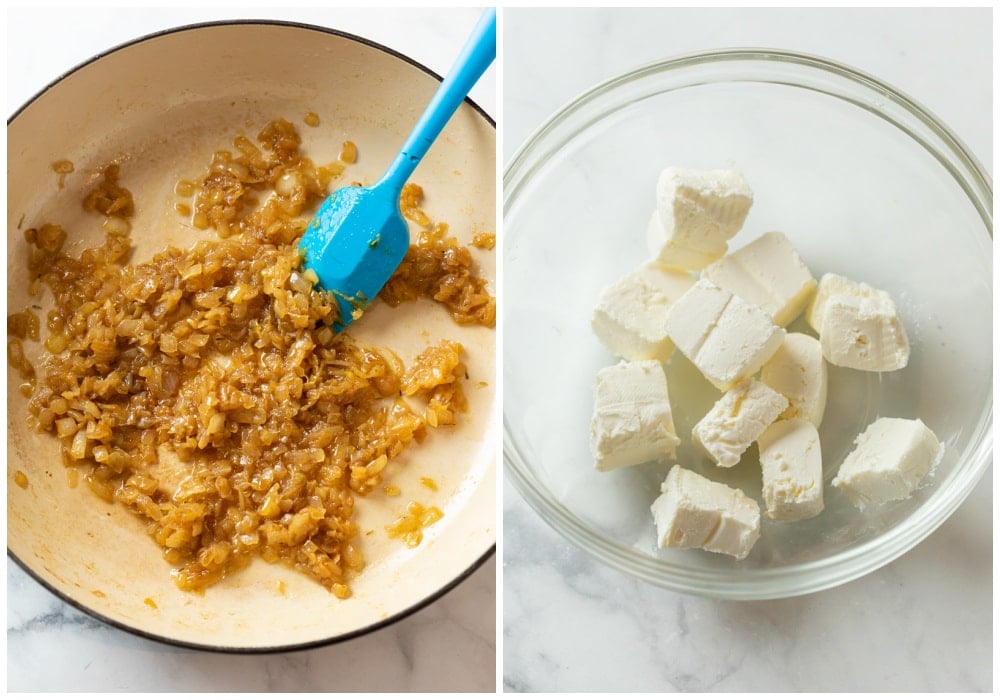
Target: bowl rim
480	559
789	580
807	60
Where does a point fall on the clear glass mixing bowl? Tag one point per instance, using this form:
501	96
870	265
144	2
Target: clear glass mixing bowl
864	181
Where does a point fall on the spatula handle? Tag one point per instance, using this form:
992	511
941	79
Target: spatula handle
478	53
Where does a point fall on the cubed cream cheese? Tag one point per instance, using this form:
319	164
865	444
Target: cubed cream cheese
767	272
889	460
864	333
736	420
798	372
792	470
697	212
630	316
831	285
693	511
632	421
859	326
725	337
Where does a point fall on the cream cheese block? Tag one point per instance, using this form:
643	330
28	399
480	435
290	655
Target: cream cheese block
736	420
693	511
792	470
859	326
632	421
697	212
630	315
889	460
727	338
798	372
767	272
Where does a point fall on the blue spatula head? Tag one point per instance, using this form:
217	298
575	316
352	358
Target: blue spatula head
354	243
358	237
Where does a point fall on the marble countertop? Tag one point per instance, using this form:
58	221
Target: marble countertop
922	623
449	645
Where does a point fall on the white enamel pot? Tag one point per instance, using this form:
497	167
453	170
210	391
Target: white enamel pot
160	107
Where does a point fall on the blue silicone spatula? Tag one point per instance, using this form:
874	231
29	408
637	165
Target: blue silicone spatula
358	237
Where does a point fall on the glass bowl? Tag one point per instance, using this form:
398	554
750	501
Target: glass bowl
864	182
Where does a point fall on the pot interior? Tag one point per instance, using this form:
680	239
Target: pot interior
160	107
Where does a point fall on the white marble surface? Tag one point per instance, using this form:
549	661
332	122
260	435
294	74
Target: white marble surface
922	623
448	646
